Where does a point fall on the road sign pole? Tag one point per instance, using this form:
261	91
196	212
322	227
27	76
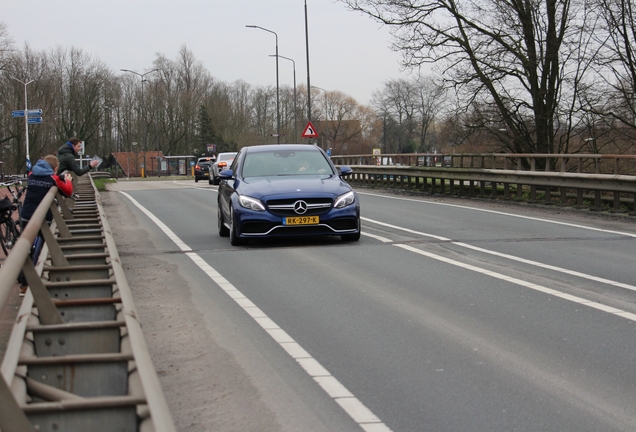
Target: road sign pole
26	125
26	120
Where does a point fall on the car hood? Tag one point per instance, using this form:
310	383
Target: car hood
279	187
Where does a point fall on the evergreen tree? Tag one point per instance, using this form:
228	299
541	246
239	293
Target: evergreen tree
205	130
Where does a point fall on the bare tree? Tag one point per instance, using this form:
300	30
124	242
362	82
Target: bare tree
6	46
513	55
615	62
430	100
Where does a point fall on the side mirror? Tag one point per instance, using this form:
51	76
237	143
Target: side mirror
227	174
345	171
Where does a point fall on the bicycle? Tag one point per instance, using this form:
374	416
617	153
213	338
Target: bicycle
9	227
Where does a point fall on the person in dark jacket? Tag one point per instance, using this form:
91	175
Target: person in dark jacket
41	179
67	155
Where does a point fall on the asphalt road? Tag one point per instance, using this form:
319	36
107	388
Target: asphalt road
447	315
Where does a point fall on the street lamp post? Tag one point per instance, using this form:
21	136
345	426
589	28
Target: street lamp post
295	100
26	118
277	87
326	114
143	109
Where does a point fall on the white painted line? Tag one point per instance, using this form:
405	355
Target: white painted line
313	368
377	237
549	267
333	387
507	256
540	288
359	412
295	350
368	421
436	237
501	213
279	335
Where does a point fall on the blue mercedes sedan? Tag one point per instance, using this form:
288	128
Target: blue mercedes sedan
286	190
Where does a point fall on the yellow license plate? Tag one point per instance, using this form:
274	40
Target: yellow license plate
301	220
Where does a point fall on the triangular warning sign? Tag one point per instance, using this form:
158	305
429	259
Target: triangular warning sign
310	131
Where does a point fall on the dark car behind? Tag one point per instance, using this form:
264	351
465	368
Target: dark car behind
202	168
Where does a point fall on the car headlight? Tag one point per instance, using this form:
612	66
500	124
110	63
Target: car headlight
345	200
251	203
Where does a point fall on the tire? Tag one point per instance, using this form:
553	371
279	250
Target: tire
196	179
215	180
235	240
3	229
223	230
210	182
352	237
9	236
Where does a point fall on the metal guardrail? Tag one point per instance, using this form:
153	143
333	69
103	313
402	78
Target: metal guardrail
76	359
579	163
569	188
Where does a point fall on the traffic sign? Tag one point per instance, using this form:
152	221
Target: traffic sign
32	113
277	135
34	120
310	131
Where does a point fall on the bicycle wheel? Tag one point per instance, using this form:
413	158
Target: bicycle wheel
10	236
3	229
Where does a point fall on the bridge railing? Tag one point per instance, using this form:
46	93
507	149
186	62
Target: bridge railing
580	180
76	358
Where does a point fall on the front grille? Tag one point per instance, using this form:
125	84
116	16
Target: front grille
315	206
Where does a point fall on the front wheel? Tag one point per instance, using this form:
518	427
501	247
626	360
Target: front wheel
223	231
235	240
352	237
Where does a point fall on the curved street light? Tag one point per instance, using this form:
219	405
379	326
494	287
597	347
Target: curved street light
143	108
277	87
26	119
326	115
295	100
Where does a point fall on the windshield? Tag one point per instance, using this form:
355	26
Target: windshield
286	162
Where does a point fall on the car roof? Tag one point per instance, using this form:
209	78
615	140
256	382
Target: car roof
286	147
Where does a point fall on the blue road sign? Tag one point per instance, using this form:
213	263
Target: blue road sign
17	113
34	120
34	113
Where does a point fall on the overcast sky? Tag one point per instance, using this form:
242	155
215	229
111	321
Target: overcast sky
347	50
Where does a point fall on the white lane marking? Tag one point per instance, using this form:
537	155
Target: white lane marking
502	213
536	287
364	417
405	229
549	267
377	237
510	257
